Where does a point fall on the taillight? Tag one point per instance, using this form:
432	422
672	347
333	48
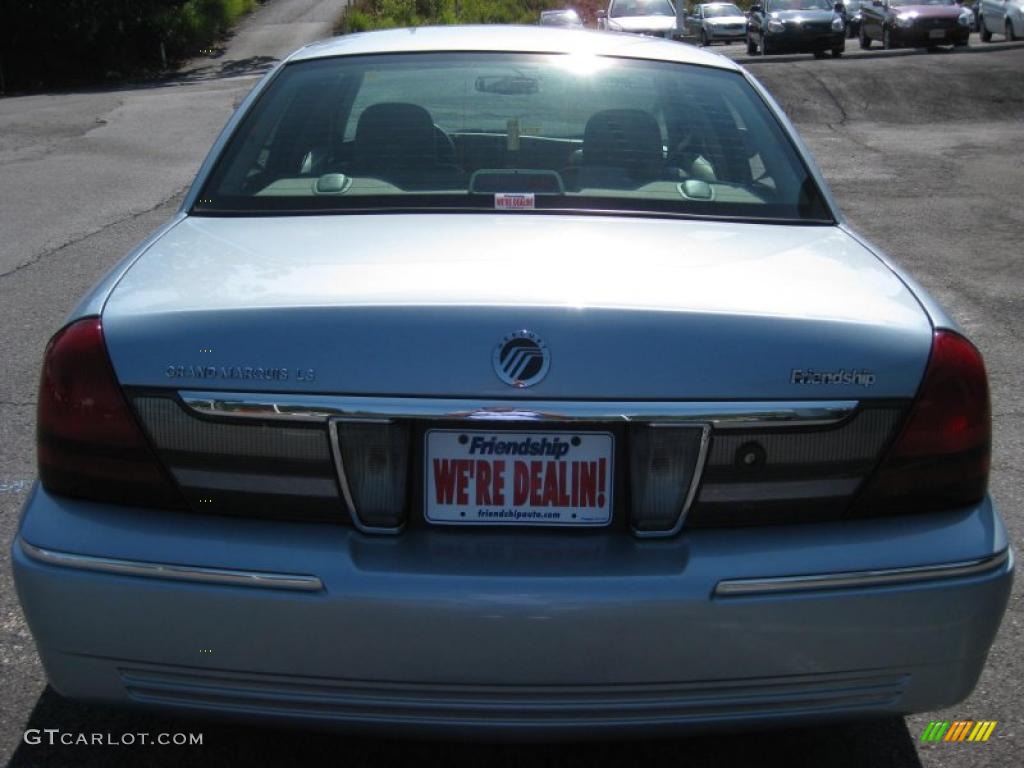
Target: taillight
940	459
89	443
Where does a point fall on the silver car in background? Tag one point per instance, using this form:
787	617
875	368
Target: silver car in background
655	18
1000	17
852	17
515	382
717	22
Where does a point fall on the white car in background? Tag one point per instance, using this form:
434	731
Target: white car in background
656	18
566	17
1001	17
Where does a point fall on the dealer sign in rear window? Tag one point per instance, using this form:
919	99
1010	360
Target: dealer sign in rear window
518	478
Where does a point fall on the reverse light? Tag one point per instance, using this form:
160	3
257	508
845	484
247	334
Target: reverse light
664	460
89	444
371	458
940	459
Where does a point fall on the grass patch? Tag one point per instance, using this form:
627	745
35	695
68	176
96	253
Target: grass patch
366	15
197	23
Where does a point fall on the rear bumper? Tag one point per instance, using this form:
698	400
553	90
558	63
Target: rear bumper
670	33
727	34
510	633
920	37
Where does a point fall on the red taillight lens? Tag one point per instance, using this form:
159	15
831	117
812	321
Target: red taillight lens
89	443
940	460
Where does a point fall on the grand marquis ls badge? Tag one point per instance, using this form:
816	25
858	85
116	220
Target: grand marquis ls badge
521	359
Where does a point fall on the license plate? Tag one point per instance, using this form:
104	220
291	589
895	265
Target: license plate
476	477
936	34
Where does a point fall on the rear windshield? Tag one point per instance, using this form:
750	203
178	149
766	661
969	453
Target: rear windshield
522	132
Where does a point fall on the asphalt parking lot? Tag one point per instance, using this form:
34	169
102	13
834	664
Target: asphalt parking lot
923	153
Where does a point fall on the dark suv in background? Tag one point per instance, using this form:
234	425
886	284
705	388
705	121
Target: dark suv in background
915	23
796	26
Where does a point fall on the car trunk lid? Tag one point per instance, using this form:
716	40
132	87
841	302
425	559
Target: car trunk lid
415	305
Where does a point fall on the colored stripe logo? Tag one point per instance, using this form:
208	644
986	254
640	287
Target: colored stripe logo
958	730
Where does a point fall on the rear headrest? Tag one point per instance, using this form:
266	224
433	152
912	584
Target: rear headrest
622	138
393	133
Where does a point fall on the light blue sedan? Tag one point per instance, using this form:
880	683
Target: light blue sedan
516	381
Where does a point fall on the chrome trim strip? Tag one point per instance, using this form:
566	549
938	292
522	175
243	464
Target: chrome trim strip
698	472
197	574
857	579
320	408
346	490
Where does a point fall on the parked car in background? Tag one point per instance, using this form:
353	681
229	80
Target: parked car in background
796	26
451	402
915	23
656	18
567	17
972	8
1001	17
851	16
716	22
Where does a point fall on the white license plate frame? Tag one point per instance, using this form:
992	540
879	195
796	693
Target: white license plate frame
589	487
